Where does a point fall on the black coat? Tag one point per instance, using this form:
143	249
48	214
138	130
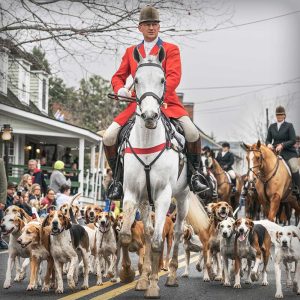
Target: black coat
285	136
225	161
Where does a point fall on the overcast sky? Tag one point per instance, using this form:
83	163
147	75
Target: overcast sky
265	52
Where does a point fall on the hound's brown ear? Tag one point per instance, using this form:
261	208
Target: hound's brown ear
277	236
46	221
24	215
251	224
111	216
258	144
161	54
68	224
296	235
20	222
137	55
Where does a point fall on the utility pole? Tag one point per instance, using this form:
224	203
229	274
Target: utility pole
267	118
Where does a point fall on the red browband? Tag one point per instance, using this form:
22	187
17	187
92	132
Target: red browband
147	150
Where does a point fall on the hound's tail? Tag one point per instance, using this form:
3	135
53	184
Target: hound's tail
197	216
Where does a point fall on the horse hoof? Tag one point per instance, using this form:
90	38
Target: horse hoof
127	275
142	285
171	281
152	293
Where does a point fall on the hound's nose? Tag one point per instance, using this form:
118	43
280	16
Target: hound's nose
2	227
102	222
92	214
55	223
224	234
241	230
284	243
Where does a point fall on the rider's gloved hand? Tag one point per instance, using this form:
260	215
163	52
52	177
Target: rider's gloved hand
270	146
124	92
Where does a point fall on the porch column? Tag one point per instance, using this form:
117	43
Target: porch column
81	165
92	169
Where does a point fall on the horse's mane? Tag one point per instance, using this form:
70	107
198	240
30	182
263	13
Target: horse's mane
216	164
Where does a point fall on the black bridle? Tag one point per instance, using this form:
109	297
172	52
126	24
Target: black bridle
160	100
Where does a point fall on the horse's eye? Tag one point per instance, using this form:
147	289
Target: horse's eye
162	80
136	81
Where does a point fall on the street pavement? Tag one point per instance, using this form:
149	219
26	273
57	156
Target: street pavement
189	288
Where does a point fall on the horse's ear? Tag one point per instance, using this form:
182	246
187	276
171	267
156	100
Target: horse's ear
258	144
161	54
245	146
137	55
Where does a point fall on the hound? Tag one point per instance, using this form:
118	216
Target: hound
106	247
65	209
18	212
68	243
12	226
191	243
287	250
227	245
220	212
252	242
36	239
91	212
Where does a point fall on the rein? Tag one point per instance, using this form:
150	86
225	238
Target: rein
259	176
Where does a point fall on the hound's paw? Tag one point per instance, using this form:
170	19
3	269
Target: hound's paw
279	295
218	278
254	276
6	284
185	275
99	283
206	279
198	267
113	279
226	283
59	291
71	284
289	283
31	287
265	283
84	286
45	289
237	286
248	281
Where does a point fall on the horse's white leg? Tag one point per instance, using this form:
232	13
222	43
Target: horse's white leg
143	281
182	210
127	274
162	205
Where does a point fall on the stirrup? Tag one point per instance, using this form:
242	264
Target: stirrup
115	191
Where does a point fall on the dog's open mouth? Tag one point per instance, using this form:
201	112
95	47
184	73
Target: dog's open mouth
55	231
7	232
242	236
25	245
91	219
223	214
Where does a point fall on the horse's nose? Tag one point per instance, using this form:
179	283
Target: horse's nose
149	115
143	115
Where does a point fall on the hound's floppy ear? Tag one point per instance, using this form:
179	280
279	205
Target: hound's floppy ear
24	215
251	224
137	55
20	223
68	224
258	144
277	237
161	54
46	221
230	211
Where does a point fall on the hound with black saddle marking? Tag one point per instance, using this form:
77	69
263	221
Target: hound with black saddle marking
252	242
287	250
68	243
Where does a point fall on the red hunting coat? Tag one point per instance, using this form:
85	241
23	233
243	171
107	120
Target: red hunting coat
172	67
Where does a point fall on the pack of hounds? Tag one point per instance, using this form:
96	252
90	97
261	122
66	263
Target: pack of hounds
74	240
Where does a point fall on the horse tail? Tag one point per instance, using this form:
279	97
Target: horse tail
197	216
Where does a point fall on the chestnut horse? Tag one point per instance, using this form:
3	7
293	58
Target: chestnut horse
225	186
273	181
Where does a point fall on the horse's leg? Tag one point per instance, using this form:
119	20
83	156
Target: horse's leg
182	208
143	281
161	208
274	206
127	274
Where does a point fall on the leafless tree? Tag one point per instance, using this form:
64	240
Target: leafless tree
85	27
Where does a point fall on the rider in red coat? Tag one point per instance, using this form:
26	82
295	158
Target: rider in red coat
149	27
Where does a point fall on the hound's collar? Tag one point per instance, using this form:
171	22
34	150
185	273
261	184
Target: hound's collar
58	232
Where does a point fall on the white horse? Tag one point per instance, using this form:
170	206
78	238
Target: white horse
146	142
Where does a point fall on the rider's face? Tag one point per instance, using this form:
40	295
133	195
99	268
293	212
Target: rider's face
149	30
280	118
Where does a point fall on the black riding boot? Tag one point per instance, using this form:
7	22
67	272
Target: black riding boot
115	190
233	185
296	184
194	163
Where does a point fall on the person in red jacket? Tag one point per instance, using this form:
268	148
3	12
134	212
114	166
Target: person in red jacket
149	26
